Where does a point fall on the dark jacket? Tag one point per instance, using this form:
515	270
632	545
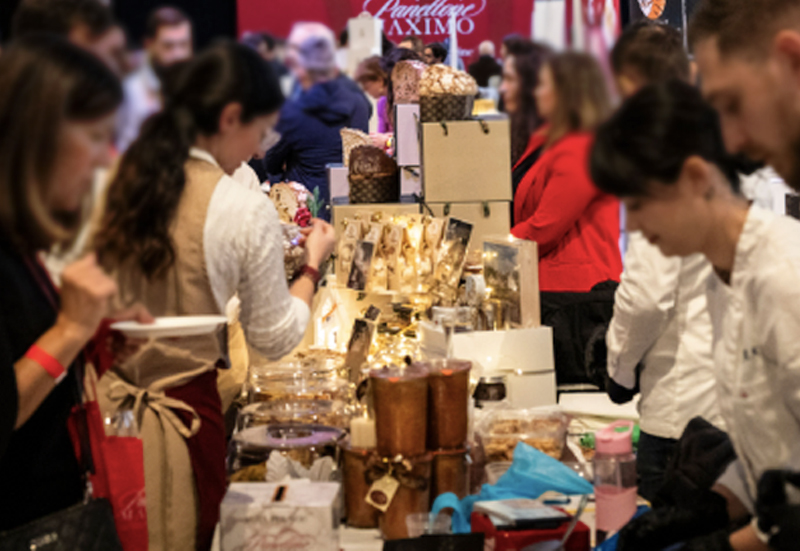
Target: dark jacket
39	473
485	68
309	128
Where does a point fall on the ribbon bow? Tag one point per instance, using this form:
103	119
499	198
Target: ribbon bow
121	392
402	469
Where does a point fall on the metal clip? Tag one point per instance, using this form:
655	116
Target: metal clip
444	127
484	126
487	211
446	209
410	170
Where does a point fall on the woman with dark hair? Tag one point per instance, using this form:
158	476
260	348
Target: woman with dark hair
57	107
520	80
664	156
374	80
181	235
575	225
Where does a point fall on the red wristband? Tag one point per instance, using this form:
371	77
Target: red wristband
312	273
48	362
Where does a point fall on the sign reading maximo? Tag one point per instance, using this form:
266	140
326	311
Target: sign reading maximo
409	17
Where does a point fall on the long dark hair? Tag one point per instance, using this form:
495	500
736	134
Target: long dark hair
650	137
528	58
144	195
45	82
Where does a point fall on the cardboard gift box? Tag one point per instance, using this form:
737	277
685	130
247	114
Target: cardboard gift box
298	515
487	218
466	161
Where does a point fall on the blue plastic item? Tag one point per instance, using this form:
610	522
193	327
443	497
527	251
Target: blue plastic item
531	474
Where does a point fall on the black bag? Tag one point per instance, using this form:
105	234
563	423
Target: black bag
87	526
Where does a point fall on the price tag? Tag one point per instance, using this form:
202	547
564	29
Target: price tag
382	492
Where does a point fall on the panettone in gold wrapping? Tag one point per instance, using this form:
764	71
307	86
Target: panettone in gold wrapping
373	176
446	94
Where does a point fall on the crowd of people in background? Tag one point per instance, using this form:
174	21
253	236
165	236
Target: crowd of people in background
174	147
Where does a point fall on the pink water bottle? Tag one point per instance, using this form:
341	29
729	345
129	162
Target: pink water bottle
614	478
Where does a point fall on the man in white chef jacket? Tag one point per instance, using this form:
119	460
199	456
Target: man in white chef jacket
748	54
661	319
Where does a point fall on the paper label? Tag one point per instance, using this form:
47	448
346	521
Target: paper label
382	492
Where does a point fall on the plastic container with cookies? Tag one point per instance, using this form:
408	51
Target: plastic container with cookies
542	428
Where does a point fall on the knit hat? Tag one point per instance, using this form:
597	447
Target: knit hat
316	54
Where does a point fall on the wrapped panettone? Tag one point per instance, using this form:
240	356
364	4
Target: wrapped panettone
406	77
446	94
352	138
291	201
373	176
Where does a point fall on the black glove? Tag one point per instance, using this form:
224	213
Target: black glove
775	515
660	528
716	541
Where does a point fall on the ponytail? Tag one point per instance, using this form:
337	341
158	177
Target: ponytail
143	197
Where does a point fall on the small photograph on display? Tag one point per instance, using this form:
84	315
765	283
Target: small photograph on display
501	270
362	262
453	252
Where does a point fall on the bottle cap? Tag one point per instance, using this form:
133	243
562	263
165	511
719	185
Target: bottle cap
615	438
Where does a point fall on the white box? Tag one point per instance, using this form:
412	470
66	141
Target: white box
520	351
406	134
338	183
306	518
530	390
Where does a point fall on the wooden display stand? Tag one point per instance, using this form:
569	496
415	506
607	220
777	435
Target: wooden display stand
487	218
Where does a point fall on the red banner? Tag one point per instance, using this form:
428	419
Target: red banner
477	20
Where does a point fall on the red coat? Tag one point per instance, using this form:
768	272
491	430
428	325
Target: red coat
575	225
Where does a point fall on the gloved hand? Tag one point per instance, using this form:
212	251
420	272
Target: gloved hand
716	541
775	515
660	528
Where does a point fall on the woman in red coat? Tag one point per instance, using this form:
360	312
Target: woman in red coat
556	204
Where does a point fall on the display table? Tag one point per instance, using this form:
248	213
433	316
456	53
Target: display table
350	539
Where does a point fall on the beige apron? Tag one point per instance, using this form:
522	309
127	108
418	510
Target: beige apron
139	383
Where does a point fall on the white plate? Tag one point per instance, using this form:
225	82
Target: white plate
170	327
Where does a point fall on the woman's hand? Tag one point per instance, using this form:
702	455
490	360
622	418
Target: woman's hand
320	242
86	293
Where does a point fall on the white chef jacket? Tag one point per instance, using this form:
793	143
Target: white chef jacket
661	319
756	322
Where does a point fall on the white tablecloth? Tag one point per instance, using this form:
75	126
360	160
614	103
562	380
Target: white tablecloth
350	539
